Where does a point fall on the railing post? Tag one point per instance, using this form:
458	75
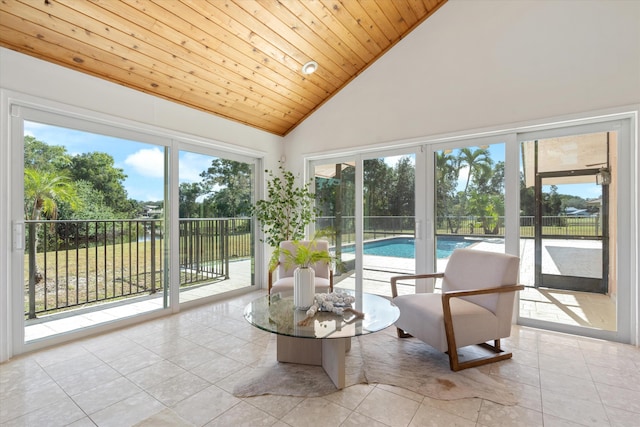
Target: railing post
153	256
32	270
225	248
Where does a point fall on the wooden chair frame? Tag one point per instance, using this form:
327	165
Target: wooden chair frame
454	362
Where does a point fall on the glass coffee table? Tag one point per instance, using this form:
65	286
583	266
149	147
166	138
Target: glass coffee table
325	339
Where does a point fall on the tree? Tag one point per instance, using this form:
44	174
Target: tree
188	195
477	162
89	204
44	190
551	202
98	169
403	194
230	184
527	198
44	157
377	188
446	182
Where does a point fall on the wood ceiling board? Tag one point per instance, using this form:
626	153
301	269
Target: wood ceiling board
238	59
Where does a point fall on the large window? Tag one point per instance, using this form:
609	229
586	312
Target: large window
105	235
556	197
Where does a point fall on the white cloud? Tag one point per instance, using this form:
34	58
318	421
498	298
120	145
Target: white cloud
147	162
192	165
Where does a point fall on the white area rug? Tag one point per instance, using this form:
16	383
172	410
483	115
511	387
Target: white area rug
378	358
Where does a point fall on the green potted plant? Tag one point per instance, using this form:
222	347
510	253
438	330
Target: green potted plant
303	256
286	211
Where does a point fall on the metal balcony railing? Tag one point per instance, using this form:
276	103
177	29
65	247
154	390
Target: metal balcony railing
75	263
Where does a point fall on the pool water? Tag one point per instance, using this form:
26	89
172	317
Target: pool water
404	247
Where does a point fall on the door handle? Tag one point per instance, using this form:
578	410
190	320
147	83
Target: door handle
18	235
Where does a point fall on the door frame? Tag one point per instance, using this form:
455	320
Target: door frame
627	293
570	283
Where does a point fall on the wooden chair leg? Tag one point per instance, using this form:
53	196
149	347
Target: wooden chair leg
402	334
499	355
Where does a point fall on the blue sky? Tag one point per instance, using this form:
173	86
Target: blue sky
143	163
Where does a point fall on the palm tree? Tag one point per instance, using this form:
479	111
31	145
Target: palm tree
477	161
446	179
43	190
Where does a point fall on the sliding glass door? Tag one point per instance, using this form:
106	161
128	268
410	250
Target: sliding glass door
216	236
469	203
367	212
335	191
102	234
95	247
569	217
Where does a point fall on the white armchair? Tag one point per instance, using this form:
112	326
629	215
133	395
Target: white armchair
476	305
284	280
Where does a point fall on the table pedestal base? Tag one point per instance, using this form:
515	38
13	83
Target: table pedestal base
328	353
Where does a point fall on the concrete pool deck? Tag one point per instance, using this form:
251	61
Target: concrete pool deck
566	307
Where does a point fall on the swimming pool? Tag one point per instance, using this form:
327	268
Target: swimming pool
404	247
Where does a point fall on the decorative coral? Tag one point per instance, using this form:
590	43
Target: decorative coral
335	302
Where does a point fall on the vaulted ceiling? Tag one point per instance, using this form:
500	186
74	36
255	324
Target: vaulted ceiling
238	59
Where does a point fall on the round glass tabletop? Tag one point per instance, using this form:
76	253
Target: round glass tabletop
277	314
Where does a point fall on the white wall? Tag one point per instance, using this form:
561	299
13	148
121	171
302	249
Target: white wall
480	64
26	78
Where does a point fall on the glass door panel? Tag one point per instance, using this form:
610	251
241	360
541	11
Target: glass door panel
216	237
566	207
389	220
335	185
470	199
95	227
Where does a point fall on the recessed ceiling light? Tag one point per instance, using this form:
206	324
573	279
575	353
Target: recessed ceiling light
310	67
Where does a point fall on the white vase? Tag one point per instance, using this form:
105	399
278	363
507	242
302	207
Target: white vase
304	287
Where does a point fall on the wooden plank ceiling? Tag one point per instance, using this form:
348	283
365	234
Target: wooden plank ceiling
239	59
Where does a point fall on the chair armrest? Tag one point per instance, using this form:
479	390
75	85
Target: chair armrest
394	280
470	292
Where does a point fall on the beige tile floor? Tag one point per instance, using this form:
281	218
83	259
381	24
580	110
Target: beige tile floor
179	371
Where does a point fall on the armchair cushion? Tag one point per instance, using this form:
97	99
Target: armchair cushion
284	280
286	285
422	316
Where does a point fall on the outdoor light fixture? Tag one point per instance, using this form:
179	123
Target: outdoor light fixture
603	177
310	67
